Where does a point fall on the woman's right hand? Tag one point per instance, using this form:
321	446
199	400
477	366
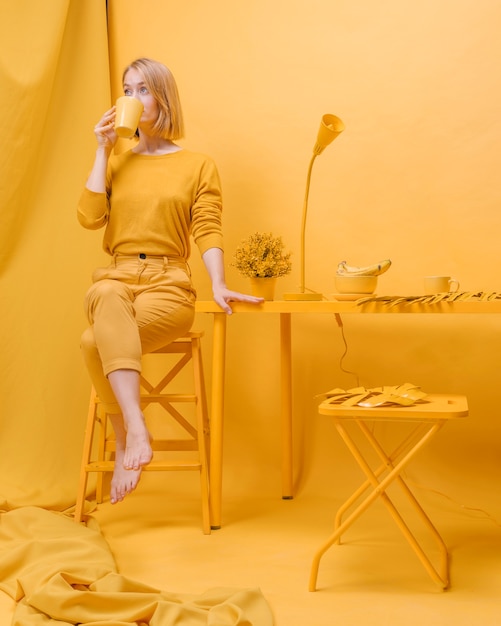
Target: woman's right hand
106	140
105	130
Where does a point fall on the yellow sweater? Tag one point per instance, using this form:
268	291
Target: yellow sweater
154	203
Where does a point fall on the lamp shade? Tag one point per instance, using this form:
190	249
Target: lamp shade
330	127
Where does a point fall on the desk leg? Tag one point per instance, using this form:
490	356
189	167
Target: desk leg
286	405
217	418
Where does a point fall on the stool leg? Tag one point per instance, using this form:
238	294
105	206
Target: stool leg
201	394
336	535
442	577
89	433
202	430
102	418
387	463
379	491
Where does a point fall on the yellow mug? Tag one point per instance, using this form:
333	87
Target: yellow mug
128	113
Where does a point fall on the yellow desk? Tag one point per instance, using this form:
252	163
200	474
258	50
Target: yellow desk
285	309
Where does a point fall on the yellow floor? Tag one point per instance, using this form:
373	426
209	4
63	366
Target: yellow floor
266	542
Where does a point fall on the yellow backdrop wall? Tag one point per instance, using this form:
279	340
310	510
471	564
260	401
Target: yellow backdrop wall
413	178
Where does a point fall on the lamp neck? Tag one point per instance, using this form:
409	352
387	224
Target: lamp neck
302	285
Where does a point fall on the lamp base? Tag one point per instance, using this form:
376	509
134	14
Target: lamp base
310	297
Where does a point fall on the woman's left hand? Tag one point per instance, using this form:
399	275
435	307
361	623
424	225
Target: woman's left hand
223	296
213	259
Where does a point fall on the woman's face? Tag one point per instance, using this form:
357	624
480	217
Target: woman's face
135	86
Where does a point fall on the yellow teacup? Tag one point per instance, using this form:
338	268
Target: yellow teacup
440	284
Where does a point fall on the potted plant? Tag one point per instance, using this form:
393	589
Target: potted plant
262	259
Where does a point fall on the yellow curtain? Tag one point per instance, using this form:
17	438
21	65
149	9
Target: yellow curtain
54	74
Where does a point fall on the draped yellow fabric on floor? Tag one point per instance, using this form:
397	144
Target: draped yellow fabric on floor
64	573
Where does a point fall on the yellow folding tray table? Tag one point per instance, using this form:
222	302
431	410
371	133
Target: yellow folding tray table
425	418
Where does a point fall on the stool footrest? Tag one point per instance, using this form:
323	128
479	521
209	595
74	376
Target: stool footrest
168	397
154	466
163	445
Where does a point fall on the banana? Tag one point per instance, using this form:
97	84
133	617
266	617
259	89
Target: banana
343	269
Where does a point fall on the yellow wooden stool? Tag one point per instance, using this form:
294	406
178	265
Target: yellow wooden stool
191	432
424	418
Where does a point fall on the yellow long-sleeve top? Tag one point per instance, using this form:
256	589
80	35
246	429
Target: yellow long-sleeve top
153	204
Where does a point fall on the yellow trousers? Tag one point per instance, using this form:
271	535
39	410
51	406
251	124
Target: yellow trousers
134	306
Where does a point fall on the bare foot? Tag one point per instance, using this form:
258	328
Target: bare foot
124	481
138	450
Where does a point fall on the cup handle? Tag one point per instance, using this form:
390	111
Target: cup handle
453	285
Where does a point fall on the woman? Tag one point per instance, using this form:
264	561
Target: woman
150	199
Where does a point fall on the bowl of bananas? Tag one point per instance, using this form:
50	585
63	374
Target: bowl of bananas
355	284
355	280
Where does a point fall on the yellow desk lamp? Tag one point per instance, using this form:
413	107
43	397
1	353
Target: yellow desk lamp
330	127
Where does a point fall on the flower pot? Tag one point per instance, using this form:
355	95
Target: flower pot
263	287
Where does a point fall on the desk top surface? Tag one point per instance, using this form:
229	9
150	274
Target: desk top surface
334	306
432	407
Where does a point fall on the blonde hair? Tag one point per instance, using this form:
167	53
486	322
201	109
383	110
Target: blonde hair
162	86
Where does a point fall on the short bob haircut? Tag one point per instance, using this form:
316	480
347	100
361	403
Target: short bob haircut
162	86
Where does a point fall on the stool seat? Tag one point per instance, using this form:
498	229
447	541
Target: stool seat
192	432
424	419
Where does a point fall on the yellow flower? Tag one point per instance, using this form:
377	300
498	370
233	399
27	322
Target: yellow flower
261	256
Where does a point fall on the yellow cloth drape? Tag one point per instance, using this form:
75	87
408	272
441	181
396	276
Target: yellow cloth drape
55	84
62	573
